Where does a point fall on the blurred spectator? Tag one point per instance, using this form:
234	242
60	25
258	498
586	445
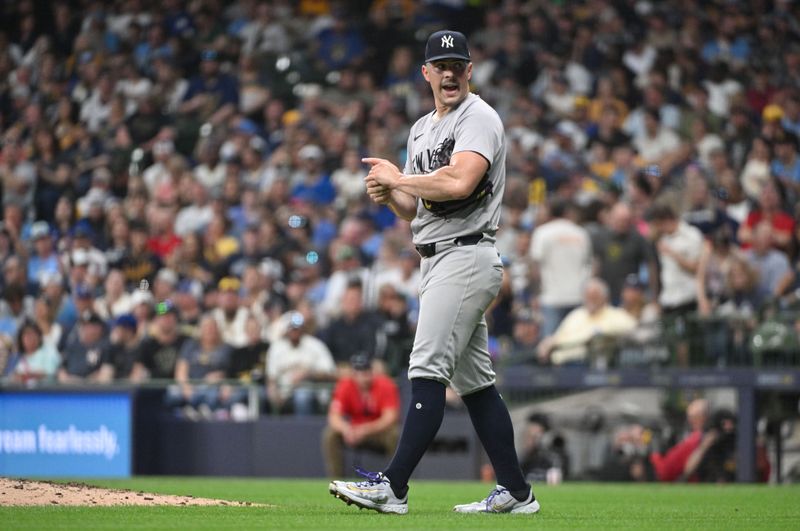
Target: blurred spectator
349	180
347	269
542	450
562	252
679	246
202	363
248	362
15	308
770	208
115	300
620	250
355	329
212	95
294	363
230	315
43	260
364	414
159	351
670	465
139	263
635	301
525	337
34	359
86	356
123	345
44	315
395	336
594	320
701	209
312	183
775	273
756	171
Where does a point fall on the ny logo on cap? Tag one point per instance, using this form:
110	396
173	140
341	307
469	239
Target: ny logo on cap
447	41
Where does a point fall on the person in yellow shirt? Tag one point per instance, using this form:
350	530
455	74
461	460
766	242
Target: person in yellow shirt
594	319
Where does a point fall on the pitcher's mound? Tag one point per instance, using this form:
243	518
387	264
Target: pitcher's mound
25	492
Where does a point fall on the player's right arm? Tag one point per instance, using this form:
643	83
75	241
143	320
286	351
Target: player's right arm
401	203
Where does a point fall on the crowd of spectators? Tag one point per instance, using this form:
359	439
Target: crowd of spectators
182	193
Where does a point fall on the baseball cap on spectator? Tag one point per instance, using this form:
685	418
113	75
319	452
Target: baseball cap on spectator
209	55
82	291
141	296
772	113
271	268
191	287
229	284
50	277
296	320
360	362
258	144
311	152
91	318
126	320
85	57
345	252
82	230
40	229
80	257
163	147
446	44
527	316
165	308
291	117
633	281
167	275
247	127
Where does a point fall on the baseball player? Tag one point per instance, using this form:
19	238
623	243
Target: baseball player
451	190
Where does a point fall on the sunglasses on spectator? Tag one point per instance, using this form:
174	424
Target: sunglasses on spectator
456	67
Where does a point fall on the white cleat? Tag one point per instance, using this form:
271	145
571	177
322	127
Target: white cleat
375	493
500	501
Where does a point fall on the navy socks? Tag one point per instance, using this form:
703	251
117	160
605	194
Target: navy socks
491	420
425	413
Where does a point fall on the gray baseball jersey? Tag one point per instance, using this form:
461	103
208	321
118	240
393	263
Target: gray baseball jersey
472	126
458	282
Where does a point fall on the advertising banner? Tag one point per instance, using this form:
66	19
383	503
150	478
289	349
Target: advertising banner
65	434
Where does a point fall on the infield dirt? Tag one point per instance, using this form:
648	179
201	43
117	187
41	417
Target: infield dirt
22	492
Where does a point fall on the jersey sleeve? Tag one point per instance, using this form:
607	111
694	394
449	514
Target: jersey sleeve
479	130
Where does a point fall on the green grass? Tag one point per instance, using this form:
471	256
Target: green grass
306	504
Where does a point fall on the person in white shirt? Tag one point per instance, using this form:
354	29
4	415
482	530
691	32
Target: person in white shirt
562	251
293	362
679	247
657	142
230	315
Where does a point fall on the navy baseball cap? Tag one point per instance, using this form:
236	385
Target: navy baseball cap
126	320
446	44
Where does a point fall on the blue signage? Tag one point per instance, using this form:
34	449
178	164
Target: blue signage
65	434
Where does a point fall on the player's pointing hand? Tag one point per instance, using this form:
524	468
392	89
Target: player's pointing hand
383	172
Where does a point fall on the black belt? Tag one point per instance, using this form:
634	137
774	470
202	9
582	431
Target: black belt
426	250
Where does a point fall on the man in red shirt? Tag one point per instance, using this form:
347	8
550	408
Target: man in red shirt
364	413
671	465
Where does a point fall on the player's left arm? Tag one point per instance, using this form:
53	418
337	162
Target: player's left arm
456	180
